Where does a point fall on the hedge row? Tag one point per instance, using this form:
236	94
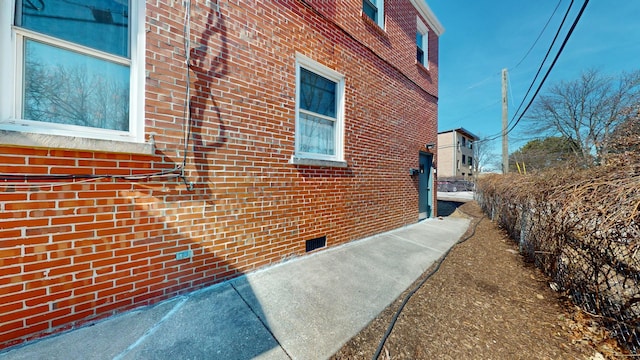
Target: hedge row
582	228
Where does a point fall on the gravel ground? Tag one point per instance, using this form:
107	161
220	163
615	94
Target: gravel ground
484	302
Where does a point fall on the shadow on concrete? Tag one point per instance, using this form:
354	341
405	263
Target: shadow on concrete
446	208
214	322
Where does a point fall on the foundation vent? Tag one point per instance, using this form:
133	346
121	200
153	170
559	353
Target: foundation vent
316	243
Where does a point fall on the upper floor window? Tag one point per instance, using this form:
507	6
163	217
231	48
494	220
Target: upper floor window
319	111
76	66
464	141
375	10
422	43
464	159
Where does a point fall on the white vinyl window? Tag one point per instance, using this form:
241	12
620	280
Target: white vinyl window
422	43
319	111
73	68
375	10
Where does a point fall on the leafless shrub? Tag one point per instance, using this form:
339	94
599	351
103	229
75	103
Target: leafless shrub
582	227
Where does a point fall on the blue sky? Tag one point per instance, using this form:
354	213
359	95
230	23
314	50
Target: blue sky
484	36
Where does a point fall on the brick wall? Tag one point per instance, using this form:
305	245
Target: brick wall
75	252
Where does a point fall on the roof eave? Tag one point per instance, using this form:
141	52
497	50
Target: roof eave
425	11
463	131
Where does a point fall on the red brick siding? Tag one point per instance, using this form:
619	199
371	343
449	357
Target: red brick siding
77	252
395	43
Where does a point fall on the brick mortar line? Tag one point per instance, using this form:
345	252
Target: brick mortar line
370	49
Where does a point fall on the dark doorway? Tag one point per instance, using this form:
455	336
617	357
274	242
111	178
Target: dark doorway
425	186
446	208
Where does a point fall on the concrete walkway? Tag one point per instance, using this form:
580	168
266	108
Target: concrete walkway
306	308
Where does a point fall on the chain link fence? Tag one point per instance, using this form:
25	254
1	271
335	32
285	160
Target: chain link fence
455	184
582	228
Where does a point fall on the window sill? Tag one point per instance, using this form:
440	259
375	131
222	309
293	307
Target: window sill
379	29
317	162
422	67
34	140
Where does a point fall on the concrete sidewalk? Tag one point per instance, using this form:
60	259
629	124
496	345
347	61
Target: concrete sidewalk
306	308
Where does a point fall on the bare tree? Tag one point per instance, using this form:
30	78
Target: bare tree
625	140
483	159
75	96
586	111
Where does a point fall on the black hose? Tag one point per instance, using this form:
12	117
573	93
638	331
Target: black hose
410	294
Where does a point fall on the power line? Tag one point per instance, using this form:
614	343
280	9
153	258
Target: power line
539	36
514	67
513	124
546	56
564	43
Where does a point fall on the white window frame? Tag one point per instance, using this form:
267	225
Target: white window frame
424	31
11	60
317	68
379	4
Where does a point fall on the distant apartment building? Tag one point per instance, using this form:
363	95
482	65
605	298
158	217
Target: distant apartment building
455	153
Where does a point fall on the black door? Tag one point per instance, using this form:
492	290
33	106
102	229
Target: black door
425	196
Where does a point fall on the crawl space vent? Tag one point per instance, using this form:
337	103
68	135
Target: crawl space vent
316	243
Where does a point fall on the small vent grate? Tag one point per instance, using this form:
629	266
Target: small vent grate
316	243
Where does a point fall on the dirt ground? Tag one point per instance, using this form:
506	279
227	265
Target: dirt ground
484	302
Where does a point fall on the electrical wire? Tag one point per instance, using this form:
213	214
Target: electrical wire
32	182
510	88
51	186
187	100
564	43
22	185
546	56
38	180
412	292
519	62
539	69
21	178
513	123
539	36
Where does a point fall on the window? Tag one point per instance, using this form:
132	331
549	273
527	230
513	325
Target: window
470	161
464	159
375	10
470	143
464	142
422	43
319	111
76	68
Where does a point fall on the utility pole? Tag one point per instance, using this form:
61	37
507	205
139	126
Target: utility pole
505	120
